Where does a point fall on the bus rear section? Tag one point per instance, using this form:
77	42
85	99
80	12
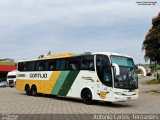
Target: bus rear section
11	78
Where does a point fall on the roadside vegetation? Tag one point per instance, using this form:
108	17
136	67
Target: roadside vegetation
151	47
152	82
154	91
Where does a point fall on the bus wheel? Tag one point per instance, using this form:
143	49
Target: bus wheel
28	92
27	89
87	96
34	90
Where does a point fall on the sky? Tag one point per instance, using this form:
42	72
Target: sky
29	28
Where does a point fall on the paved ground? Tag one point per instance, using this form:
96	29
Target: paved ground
13	101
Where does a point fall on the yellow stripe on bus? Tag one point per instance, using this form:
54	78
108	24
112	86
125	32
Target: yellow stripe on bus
43	86
53	79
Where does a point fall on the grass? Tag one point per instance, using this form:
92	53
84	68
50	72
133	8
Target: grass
7	63
153	91
152	82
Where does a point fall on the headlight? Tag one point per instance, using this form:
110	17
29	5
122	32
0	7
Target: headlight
136	90
118	93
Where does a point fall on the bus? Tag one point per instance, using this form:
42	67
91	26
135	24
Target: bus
101	76
11	78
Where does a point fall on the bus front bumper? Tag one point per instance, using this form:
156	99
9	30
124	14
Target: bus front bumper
119	98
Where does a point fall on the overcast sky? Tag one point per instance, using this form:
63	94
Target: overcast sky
29	28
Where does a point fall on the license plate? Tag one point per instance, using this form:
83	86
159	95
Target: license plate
128	98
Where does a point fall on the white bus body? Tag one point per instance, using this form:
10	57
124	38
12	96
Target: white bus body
103	76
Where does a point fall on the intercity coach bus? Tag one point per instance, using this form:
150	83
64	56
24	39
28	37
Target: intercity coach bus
102	76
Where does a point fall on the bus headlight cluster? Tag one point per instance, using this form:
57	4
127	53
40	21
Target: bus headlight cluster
118	93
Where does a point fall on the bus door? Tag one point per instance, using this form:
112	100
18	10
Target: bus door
103	69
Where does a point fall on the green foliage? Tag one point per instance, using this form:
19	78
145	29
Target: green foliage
151	82
7	63
151	44
158	77
152	68
153	91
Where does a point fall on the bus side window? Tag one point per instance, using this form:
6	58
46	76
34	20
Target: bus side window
73	64
91	65
60	64
25	66
31	66
20	66
52	65
87	63
84	64
41	65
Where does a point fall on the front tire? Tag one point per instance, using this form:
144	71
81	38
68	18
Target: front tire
87	96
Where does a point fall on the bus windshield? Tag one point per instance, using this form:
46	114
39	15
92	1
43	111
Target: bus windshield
11	76
128	78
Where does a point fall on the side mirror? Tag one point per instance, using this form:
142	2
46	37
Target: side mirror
116	69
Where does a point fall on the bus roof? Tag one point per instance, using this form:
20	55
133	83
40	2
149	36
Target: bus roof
65	55
12	72
112	53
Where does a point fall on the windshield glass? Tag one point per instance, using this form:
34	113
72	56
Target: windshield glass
128	78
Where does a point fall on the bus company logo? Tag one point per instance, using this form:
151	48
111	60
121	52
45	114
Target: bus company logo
102	94
87	78
9	117
38	75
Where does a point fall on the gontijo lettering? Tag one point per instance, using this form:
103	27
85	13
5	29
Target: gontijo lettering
38	75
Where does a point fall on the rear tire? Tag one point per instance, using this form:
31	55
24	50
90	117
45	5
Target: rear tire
34	90
87	96
27	89
28	92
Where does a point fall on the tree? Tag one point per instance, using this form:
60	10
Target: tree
151	44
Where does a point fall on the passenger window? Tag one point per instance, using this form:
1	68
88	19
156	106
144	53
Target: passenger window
41	65
52	65
20	66
87	63
25	66
73	64
60	64
31	66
